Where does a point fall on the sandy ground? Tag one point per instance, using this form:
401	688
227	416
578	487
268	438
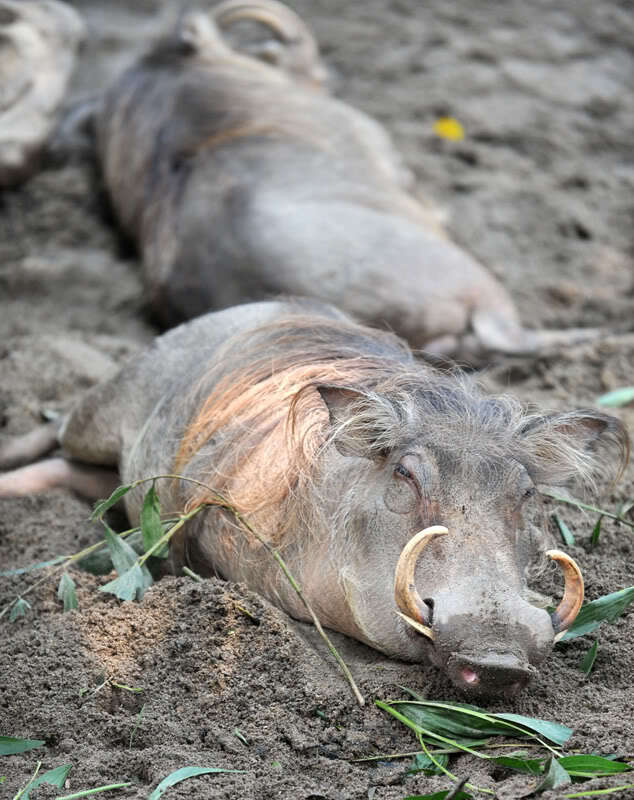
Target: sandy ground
542	191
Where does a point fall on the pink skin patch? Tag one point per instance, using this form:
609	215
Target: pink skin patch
469	676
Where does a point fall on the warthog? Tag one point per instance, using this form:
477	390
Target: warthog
349	456
241	180
38	44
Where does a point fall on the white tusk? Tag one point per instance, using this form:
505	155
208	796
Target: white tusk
405	593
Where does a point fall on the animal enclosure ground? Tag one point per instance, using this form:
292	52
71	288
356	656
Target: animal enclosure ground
542	191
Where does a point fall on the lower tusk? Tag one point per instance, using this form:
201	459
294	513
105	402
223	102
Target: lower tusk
405	593
418	627
565	613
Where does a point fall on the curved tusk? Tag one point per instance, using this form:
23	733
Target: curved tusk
405	593
565	613
418	626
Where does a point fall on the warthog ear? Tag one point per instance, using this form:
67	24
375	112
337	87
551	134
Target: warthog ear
355	430
576	445
197	32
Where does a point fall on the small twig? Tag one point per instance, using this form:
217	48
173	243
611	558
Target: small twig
445	751
461	783
87	792
247	613
31	779
169	533
572	501
193	575
459	787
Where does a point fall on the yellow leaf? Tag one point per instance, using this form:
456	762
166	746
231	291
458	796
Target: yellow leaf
449	128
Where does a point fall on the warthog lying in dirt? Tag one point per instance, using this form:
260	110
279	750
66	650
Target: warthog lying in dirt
240	180
349	455
38	43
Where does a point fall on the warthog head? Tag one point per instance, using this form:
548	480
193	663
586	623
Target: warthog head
450	477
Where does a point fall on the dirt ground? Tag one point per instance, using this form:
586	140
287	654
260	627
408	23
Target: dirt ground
542	191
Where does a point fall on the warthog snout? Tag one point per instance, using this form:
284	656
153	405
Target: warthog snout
493	668
490	673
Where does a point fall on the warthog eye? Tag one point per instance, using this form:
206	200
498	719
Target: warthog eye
403	472
403	494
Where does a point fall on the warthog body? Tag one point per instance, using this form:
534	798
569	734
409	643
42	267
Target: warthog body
240	180
339	446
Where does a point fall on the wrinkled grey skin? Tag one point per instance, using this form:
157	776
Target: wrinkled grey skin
39	40
239	181
345	527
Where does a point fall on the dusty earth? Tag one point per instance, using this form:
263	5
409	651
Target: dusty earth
541	190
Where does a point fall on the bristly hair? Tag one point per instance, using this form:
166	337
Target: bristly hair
262	428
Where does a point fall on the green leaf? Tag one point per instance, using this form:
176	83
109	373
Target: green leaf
564	530
588	660
9	746
123	555
553	731
604	609
19	609
55	776
448	720
530	766
99	562
151	526
555	776
66	592
131	585
463	720
33	567
239	735
410	717
619	397
184	773
101	507
596	532
423	763
591	766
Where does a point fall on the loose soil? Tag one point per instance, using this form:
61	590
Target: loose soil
542	191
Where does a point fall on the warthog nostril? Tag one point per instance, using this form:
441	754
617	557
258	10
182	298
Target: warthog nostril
469	676
429	602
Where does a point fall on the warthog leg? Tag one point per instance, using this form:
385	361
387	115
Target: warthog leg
90	482
20	450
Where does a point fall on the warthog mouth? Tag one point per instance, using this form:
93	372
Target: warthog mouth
415	612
